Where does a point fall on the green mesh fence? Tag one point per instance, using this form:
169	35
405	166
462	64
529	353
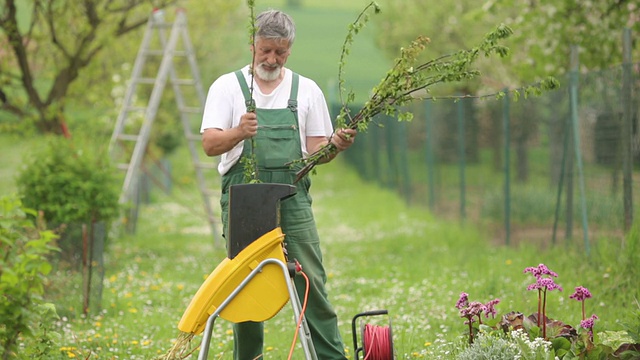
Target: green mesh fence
547	185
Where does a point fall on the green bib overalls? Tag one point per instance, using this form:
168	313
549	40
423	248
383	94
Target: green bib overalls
277	143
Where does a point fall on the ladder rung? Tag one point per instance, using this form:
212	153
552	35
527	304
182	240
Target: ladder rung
160	52
136	108
162	25
201	165
154	52
184	82
191	109
128	137
145	80
194	137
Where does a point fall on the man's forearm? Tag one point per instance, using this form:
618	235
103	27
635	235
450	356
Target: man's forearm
217	142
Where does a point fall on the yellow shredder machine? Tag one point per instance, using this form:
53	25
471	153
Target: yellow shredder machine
255	281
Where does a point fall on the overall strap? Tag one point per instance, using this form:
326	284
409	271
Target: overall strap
248	101
293	97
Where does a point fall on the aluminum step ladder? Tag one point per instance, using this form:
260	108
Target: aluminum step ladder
134	123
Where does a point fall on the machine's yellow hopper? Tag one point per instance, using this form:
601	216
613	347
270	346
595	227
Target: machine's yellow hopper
261	299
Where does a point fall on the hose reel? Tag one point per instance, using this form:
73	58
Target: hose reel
377	340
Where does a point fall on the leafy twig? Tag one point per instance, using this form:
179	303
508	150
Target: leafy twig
353	29
250	163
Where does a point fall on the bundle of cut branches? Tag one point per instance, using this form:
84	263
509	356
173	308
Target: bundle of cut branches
409	77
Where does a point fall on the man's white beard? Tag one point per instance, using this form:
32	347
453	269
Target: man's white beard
265	75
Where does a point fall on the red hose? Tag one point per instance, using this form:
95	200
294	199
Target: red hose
376	342
304	308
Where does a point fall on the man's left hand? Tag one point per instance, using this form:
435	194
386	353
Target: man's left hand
343	138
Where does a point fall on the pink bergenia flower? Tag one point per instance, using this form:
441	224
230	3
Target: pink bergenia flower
473	309
588	323
544	283
463	301
490	308
580	294
540	270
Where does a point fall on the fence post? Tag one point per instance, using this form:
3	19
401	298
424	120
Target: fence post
404	162
430	157
627	131
392	170
374	147
563	169
506	110
461	158
576	141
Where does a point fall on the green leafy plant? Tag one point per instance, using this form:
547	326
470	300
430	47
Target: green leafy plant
410	78
632	325
70	185
491	344
538	336
44	340
473	310
626	343
23	268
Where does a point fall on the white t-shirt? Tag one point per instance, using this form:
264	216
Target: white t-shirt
225	105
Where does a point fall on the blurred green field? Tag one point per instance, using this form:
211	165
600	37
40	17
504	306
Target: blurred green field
321	28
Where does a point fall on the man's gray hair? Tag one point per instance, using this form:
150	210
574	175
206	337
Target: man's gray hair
274	24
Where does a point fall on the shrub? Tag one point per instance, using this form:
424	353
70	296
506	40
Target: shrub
23	267
70	185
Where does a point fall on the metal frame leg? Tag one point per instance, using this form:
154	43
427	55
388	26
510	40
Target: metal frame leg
303	331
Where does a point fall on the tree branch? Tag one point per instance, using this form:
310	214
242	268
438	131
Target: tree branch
49	19
124	26
6	106
92	14
17	43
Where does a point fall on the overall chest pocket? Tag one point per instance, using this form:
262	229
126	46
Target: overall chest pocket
276	145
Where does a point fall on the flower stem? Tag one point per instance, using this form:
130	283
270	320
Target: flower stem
539	304
544	316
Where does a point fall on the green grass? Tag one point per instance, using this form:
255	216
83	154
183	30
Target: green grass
379	254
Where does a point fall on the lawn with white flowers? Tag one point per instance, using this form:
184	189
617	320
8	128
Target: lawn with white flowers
379	254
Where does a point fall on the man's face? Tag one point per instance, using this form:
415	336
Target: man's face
270	57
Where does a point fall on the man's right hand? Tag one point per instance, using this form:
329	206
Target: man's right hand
216	141
248	125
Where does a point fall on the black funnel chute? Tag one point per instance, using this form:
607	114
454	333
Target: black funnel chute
253	211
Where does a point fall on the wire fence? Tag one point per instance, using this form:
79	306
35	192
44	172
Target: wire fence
547	169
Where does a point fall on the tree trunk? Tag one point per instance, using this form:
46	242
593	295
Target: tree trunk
53	125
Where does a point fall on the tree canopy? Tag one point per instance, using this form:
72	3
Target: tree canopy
544	31
547	29
47	46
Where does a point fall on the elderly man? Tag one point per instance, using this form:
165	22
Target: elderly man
291	120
